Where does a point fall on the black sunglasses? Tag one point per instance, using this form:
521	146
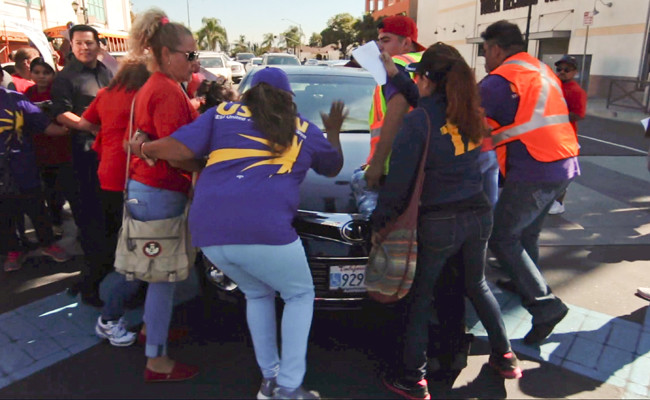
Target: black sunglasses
565	69
191	55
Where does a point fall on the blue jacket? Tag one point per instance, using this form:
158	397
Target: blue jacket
453	177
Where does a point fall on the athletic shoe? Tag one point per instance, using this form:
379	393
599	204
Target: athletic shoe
644	293
299	393
408	390
14	261
115	332
57	231
56	253
267	388
541	331
506	365
556	208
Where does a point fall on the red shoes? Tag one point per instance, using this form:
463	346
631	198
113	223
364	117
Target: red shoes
180	372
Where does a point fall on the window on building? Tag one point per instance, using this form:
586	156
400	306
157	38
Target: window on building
510	4
490	6
31	3
96	10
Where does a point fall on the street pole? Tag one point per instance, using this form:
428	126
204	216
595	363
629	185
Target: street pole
530	11
584	58
188	14
301	34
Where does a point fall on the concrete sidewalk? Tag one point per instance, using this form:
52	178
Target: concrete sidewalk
597	107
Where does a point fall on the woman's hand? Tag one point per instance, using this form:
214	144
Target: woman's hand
334	120
137	144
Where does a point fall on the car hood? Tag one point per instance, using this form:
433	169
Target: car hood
334	195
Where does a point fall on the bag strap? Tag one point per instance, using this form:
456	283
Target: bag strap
419	182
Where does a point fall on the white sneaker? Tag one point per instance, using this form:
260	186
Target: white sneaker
556	208
644	293
115	332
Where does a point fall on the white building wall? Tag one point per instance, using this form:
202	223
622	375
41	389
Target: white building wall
60	12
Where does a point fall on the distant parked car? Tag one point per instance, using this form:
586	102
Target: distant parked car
244	58
216	63
9	67
255	61
280	59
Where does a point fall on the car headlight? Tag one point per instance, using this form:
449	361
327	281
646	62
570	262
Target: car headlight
218	278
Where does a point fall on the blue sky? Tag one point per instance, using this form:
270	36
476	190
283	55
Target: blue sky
254	18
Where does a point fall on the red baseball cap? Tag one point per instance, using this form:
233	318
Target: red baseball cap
402	26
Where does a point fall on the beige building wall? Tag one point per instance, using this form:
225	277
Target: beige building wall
617	39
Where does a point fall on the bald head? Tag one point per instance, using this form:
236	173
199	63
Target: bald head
23	58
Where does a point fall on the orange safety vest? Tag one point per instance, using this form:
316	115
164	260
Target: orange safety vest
542	119
378	108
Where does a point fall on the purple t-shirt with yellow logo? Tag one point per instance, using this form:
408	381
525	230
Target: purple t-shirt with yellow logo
246	194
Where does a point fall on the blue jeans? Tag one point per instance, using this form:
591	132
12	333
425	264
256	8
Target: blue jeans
518	221
441	235
260	271
147	203
490	172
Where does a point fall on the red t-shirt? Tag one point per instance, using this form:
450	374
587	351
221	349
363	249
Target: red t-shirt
111	109
161	107
576	100
50	150
21	83
194	84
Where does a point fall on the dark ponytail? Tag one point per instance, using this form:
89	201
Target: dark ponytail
454	80
274	114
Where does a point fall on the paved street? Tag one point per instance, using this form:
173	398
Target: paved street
594	257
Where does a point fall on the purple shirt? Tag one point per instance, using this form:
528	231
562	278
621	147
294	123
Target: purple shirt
500	103
246	194
19	121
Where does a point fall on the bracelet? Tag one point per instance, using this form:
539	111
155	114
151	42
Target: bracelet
142	150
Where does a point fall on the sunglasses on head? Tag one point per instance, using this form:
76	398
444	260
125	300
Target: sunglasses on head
565	69
191	55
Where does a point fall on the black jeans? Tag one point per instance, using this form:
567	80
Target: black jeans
89	217
441	235
58	185
32	203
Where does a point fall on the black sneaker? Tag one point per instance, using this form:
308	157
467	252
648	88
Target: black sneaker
299	394
541	331
267	388
407	389
506	365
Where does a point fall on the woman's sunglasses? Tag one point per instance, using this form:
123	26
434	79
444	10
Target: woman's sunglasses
565	69
191	55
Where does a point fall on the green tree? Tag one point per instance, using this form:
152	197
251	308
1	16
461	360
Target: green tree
292	38
211	34
315	40
267	42
366	28
340	31
241	46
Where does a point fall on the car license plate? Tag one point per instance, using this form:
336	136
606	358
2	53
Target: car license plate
349	278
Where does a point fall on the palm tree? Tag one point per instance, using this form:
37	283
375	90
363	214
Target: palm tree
268	40
211	34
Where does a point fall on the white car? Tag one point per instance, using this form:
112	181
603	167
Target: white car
280	59
255	61
237	68
216	63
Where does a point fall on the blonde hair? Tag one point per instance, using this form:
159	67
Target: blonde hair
151	31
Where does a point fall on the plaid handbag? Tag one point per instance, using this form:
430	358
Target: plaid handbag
391	265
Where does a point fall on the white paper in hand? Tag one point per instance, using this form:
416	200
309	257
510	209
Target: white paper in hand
369	58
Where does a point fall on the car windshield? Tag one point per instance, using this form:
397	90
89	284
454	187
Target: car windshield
212	62
245	56
282	60
256	61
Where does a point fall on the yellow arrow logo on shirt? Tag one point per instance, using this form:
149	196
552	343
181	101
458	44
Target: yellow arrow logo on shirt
285	159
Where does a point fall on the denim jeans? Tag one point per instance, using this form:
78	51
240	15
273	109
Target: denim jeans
442	235
261	271
490	172
147	203
518	221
